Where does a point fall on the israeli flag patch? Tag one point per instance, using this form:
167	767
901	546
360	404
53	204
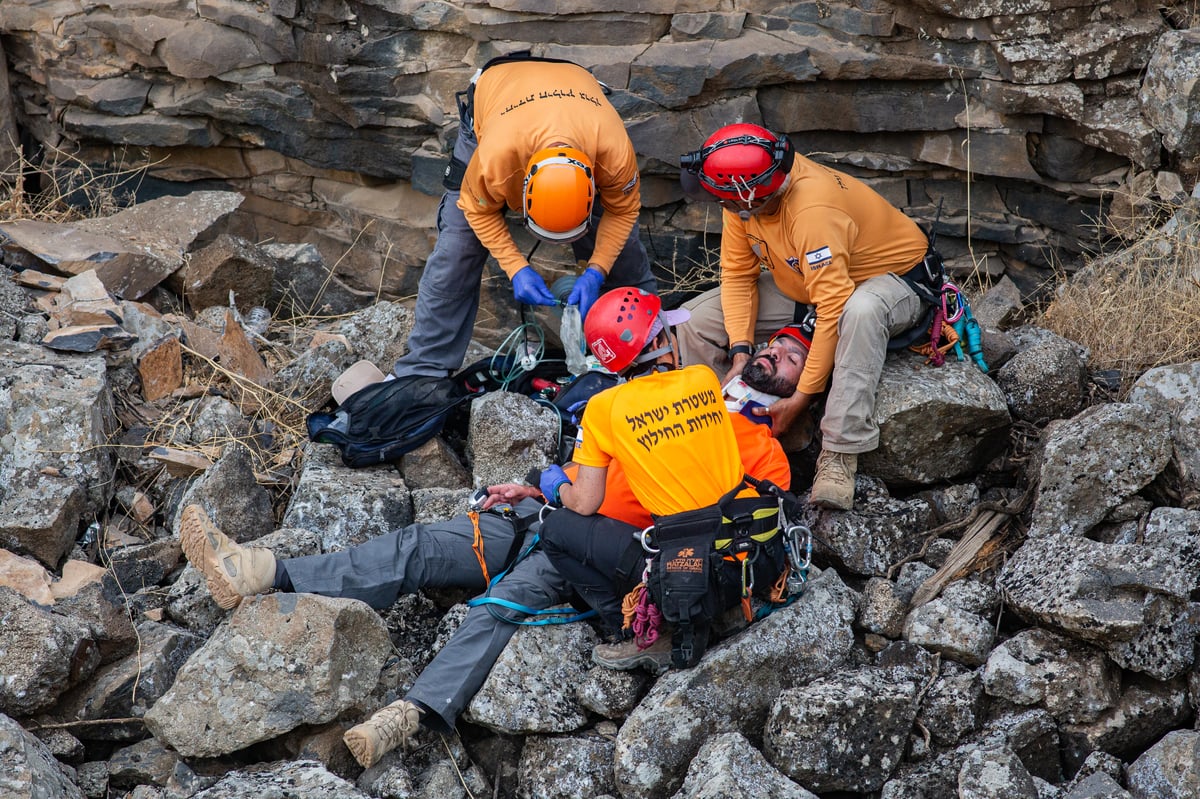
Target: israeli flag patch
818	258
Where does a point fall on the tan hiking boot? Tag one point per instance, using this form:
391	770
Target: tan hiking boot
388	728
626	656
833	487
231	571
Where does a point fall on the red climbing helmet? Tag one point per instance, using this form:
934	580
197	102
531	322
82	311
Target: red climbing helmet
622	322
618	325
741	162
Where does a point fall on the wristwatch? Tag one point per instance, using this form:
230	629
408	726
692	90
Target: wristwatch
740	349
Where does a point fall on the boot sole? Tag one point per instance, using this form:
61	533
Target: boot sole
201	552
648	662
361	746
830	504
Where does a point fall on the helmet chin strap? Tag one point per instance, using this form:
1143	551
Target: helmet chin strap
654	355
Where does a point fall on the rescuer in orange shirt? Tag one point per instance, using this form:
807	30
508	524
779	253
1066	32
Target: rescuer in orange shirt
537	137
797	233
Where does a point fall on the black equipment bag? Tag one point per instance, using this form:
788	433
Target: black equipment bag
707	560
381	422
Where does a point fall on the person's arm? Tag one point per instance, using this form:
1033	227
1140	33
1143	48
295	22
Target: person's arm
823	232
483	202
586	494
739	287
619	189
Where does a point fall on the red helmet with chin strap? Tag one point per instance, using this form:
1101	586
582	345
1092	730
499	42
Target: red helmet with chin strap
741	162
618	325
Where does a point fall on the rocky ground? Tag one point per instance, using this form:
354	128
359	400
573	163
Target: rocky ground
1006	613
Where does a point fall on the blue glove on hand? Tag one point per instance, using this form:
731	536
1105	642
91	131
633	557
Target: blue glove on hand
551	482
586	290
529	288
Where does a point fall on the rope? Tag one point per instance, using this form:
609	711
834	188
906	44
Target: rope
477	545
641	615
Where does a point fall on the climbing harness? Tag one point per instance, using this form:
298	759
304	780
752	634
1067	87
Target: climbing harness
538	616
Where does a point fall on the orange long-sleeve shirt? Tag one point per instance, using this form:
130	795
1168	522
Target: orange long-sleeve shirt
831	233
523	107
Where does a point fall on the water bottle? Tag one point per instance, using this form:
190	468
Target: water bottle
257	320
571	335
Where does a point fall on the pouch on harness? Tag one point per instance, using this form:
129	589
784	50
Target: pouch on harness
711	559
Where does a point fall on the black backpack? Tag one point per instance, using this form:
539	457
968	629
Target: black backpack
381	422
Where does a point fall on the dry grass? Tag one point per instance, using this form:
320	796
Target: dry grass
63	188
1137	308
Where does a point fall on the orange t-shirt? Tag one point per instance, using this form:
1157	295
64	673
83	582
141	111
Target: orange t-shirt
762	457
831	233
523	107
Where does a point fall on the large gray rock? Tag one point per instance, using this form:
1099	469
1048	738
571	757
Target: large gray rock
30	769
131	251
879	532
1075	682
1147	711
1093	462
562	767
728	767
509	436
1127	599
1174	392
531	688
733	687
1170	89
302	779
1168	770
42	654
1046	379
346	506
281	661
844	732
995	773
55	418
935	423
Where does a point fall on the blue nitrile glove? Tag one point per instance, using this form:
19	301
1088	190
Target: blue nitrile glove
529	288
551	482
586	290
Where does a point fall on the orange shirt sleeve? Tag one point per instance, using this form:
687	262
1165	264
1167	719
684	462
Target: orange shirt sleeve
740	268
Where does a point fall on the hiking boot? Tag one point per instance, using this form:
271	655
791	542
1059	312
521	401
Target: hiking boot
626	656
231	571
388	728
833	487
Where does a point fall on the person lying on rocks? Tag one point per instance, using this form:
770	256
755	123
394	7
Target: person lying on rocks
444	555
670	431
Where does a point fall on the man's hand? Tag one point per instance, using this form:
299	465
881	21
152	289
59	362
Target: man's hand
784	412
510	493
551	482
530	288
586	290
739	362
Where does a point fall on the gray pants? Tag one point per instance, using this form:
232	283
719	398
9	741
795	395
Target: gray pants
407	560
440	556
448	294
459	669
879	308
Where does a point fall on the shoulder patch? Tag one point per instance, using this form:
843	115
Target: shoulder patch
819	257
